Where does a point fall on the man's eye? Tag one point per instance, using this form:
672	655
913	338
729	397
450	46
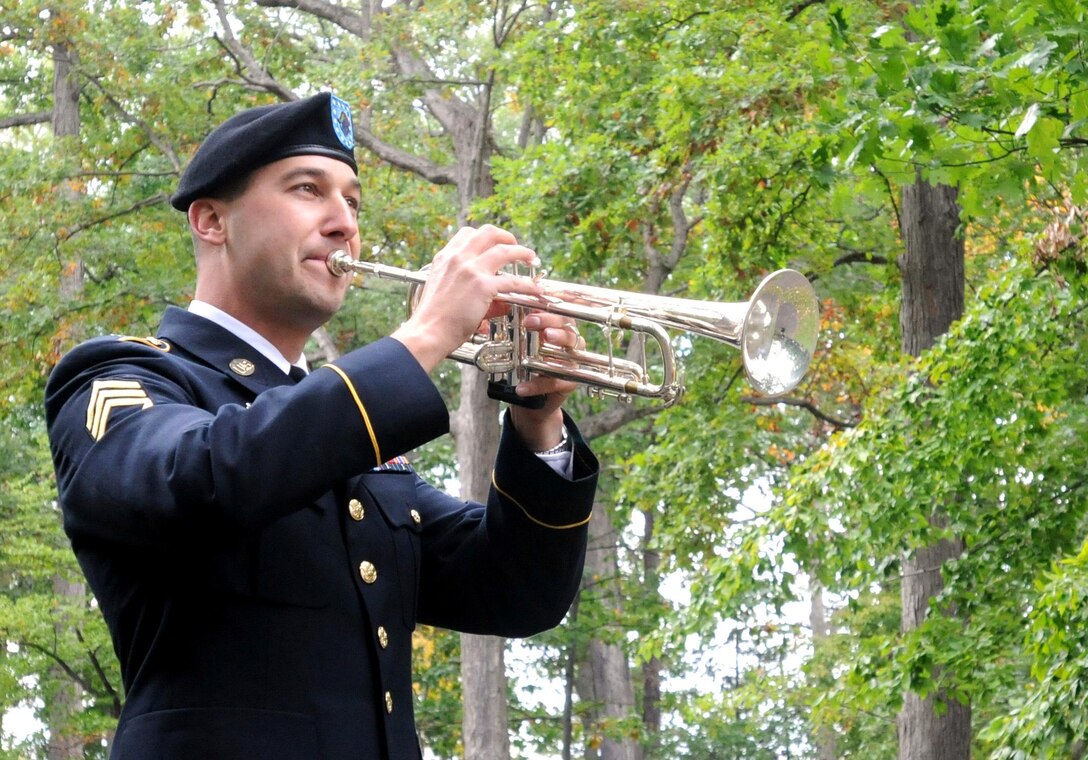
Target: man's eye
353	202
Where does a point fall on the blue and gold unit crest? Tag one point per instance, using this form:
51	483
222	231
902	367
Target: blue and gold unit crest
341	122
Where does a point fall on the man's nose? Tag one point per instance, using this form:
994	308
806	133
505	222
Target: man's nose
342	219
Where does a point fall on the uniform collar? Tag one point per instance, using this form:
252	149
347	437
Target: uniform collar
218	347
246	333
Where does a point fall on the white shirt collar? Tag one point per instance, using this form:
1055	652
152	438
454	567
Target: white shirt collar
245	333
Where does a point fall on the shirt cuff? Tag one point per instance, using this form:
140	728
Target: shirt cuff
562	462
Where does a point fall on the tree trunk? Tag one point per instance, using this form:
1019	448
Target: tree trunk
66	702
65	123
651	671
931	265
569	673
65	91
927	732
483	674
826	738
932	273
485	724
483	680
609	684
65	743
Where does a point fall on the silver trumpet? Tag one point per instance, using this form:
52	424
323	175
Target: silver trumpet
775	330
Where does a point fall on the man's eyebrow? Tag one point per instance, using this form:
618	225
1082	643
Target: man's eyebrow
314	172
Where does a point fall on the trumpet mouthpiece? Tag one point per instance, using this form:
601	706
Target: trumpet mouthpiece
338	263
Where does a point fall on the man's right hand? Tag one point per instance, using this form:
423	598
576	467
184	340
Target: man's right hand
462	283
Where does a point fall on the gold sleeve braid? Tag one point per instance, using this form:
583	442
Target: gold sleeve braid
541	523
362	409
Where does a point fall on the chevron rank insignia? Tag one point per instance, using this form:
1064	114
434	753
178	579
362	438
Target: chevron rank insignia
107	395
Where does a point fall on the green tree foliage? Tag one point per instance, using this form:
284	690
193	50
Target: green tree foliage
1048	718
988	423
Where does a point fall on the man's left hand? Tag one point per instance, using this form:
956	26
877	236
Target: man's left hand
542	429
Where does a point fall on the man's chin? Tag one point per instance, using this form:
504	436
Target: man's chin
324	308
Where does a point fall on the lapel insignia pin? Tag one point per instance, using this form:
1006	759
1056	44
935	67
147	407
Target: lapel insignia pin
243	367
158	343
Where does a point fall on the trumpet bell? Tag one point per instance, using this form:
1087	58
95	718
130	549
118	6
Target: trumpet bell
779	334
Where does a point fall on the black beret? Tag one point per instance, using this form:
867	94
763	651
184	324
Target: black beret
319	125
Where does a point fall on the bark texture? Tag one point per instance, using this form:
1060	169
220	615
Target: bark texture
608	687
485	724
65	741
932	273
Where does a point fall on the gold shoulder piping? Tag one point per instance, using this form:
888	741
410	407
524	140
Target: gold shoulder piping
362	409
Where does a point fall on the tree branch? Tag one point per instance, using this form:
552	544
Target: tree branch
115	698
448	110
123	174
803	404
681	225
613	418
891	197
859	257
25	119
800	8
61	663
154	200
401	159
143	126
358	24
247	65
255	75
503	22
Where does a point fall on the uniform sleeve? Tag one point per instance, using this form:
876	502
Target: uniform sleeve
510	567
146	444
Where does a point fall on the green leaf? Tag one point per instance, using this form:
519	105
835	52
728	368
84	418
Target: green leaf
1044	140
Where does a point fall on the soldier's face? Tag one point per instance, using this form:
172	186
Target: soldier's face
293	213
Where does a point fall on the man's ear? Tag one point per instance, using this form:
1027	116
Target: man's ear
206	221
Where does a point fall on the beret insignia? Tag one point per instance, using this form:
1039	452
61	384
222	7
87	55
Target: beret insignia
341	122
107	395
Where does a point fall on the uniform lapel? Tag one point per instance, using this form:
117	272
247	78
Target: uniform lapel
218	347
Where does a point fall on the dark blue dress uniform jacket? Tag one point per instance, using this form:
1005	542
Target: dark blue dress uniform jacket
260	566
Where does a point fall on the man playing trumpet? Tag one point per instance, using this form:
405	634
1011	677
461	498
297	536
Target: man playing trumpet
259	547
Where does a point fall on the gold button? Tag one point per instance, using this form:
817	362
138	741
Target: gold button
383	636
415	516
355	509
368	572
388	702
